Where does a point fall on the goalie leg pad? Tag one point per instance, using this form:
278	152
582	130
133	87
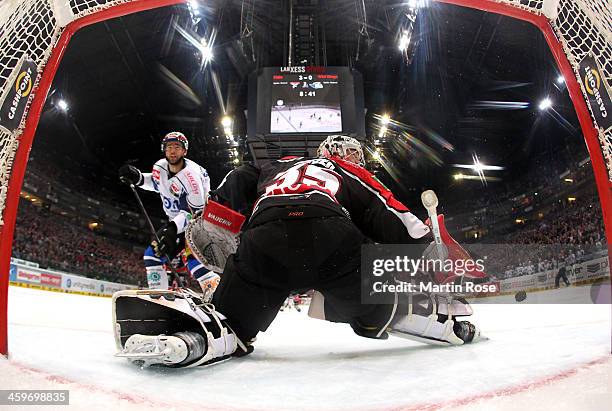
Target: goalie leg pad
172	328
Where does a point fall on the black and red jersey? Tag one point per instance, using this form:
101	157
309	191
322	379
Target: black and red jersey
332	184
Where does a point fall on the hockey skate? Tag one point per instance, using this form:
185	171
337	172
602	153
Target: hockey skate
147	350
431	320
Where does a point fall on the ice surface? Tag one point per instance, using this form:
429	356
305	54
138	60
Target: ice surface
544	356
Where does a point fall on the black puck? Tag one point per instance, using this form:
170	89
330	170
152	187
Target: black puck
520	296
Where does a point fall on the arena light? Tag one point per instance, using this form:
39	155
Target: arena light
460	176
385	119
62	105
404	41
226	121
382	132
568	180
545	104
202	44
571	199
206	50
195	7
415	4
560	79
479	167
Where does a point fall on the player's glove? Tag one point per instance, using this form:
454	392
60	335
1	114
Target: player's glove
167	241
130	175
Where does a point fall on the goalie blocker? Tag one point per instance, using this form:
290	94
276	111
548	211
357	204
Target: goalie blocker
171	328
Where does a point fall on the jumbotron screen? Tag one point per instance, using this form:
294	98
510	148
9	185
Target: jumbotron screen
305	103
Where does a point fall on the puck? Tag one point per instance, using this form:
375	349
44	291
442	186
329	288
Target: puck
520	296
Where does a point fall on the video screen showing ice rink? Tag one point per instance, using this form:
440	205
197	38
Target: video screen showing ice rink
305	103
305	119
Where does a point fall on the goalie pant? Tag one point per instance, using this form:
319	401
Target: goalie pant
300	237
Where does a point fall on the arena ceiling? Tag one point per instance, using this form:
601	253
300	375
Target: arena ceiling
470	84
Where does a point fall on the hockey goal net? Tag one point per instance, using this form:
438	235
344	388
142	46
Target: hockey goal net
35	33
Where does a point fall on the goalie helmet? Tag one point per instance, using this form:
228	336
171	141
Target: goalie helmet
345	147
175	136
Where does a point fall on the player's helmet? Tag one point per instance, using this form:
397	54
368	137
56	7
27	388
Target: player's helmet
345	147
175	136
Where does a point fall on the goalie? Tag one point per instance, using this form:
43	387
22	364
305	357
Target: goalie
309	219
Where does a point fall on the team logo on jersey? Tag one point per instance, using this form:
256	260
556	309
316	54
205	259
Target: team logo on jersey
156	175
175	189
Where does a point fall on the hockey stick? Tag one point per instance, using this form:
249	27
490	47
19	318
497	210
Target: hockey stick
430	202
176	275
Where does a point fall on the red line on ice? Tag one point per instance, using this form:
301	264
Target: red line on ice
507	391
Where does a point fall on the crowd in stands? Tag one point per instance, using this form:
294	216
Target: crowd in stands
572	232
55	242
41	169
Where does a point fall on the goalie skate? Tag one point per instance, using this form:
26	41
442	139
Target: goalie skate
429	319
147	350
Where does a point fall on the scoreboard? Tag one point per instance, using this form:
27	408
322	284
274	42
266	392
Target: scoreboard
305	103
308	100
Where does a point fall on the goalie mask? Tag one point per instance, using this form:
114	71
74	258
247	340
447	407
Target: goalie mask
345	147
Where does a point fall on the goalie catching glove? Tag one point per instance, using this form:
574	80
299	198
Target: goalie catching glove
451	250
213	235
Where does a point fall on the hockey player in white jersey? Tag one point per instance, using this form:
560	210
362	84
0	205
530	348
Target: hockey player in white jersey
183	187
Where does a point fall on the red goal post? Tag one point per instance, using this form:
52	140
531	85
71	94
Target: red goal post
37	32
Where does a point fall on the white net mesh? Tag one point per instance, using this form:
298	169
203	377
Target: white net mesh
30	27
586	28
535	6
82	8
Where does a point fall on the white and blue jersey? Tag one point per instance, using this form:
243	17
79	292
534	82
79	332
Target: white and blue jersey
182	194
